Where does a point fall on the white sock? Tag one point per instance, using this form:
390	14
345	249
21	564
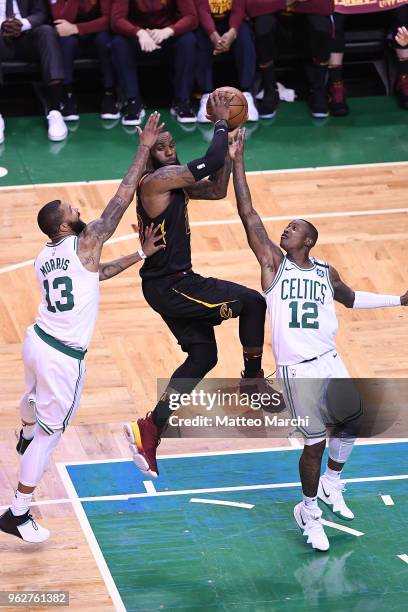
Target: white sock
21	503
310	502
332	474
28	430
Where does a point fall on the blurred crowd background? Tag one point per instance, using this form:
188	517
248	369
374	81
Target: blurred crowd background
130	54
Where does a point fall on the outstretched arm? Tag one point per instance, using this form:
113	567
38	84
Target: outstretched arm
267	253
213	188
108	269
362	299
171	177
91	239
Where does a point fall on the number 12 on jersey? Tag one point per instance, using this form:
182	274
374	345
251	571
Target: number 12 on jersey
309	316
64	283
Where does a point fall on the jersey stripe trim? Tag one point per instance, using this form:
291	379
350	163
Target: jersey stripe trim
54	244
328	280
207	304
66	420
277	277
59	346
45	427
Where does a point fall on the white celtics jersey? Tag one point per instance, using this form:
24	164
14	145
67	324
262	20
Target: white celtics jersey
302	314
70	302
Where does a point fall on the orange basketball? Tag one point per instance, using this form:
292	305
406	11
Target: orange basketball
238	109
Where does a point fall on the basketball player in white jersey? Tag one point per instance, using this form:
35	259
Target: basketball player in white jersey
68	271
300	293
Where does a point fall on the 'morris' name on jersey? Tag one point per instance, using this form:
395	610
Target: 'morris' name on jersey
59	263
301	309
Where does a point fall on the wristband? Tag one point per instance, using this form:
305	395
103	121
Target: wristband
141	254
363	299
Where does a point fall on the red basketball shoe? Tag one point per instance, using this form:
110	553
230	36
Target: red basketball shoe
143	438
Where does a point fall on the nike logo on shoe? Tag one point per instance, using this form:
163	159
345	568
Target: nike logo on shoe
326	494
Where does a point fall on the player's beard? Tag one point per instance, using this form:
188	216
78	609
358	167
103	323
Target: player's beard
156	164
77	226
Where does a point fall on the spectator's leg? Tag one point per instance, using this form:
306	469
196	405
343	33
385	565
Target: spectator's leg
321	33
43	42
265	28
7	52
185	52
245	60
337	94
71	50
400	17
100	46
204	71
124	53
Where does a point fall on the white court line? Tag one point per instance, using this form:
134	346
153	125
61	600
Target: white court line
219	502
237	221
149	486
342	528
91	539
403	558
124	497
250	172
387	499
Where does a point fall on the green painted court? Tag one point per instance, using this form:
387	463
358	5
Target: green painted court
375	132
163	551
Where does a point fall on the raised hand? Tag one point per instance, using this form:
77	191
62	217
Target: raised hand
236	142
219	102
151	236
402	37
151	130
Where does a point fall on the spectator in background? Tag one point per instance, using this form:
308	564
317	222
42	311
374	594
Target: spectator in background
83	28
222	28
395	19
319	31
157	28
25	35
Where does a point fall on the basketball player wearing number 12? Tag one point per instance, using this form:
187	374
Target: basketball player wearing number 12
300	292
68	272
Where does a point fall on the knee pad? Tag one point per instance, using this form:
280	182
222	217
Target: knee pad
27	409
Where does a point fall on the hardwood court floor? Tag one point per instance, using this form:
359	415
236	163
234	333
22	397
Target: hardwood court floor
361	234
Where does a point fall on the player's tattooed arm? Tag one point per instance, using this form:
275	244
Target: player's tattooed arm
167	178
267	252
101	229
213	188
342	292
152	236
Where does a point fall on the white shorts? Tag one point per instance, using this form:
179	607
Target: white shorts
319	393
53	380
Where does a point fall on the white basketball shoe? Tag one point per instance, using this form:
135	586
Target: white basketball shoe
331	493
310	523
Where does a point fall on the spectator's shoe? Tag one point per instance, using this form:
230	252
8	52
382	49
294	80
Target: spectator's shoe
57	130
143	439
24	527
70	108
202	111
331	493
109	107
310	523
253	114
269	103
319	103
134	113
2	128
337	99
22	443
183	112
401	91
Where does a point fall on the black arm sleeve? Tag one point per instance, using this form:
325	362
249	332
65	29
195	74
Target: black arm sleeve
215	157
